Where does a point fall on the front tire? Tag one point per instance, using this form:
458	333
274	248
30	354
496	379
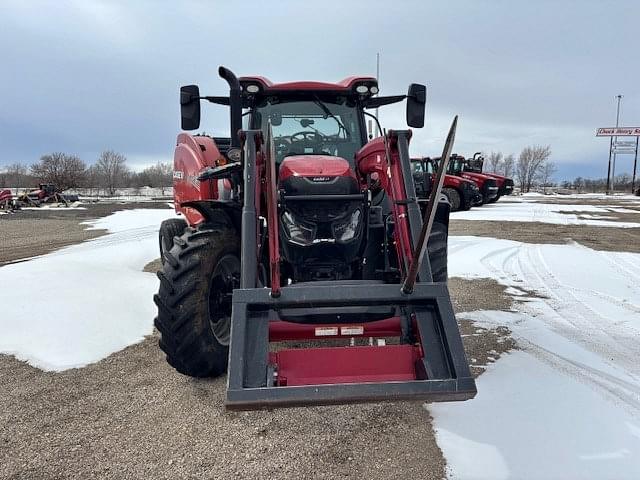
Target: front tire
494	199
437	249
169	229
194	300
454	198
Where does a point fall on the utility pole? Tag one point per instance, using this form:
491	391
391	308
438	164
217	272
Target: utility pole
615	141
378	80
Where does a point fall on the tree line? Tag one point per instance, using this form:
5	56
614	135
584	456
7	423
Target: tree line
622	182
66	171
532	168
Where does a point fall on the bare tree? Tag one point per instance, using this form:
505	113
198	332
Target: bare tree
159	175
112	171
507	165
61	169
495	161
16	176
529	164
547	171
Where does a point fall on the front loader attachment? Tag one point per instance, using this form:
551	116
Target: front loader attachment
433	368
418	352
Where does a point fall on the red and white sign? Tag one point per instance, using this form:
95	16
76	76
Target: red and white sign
618	132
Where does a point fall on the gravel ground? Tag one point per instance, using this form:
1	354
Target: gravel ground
132	416
28	233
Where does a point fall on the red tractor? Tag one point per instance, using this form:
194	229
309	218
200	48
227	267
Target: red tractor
461	193
488	186
475	165
6	200
299	228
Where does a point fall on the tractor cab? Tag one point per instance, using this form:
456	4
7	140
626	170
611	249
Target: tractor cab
474	164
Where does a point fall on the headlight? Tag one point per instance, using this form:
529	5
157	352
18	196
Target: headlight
346	230
298	233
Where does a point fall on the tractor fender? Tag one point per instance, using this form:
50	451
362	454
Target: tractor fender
217	213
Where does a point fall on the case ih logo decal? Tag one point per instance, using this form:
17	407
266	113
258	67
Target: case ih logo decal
192	179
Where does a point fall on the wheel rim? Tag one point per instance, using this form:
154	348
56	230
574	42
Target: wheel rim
225	277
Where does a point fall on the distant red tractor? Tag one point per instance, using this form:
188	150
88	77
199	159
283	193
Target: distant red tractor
6	200
476	164
488	185
461	193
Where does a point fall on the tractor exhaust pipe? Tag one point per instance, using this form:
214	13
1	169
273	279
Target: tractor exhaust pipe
430	213
235	103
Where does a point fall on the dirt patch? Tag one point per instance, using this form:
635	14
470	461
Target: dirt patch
132	416
482	345
153	266
28	233
609	216
610	239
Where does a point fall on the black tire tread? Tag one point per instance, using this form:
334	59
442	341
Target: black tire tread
170	229
182	300
437	249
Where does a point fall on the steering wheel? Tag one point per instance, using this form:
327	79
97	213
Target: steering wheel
306	135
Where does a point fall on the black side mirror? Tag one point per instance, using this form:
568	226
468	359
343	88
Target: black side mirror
190	107
416	102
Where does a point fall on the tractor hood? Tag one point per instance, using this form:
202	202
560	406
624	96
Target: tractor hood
455	181
476	177
311	174
500	179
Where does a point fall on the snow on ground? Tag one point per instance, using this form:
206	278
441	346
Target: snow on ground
79	304
568	404
527	211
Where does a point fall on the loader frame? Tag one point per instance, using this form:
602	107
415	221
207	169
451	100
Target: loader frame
428	364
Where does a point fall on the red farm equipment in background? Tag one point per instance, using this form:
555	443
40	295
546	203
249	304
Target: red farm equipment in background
299	228
476	165
461	193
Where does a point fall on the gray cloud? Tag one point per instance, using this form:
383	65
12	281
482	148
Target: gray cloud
81	76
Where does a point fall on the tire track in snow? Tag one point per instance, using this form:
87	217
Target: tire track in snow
621	391
586	324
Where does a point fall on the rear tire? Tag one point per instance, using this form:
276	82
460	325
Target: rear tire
454	198
173	227
437	248
194	300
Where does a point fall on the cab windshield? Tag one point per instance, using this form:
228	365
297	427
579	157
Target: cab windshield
311	127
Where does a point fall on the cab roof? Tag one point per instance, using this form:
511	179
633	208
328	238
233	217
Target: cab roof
346	85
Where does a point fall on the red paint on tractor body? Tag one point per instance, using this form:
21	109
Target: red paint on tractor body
280	331
345	85
192	155
315	166
335	365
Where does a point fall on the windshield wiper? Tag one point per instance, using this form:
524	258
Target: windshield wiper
328	113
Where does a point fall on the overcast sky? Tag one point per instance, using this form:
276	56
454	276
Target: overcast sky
82	76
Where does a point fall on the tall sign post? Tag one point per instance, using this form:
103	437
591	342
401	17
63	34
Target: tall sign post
621	147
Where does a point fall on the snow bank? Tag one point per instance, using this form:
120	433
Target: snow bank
524	211
568	405
531	421
78	305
